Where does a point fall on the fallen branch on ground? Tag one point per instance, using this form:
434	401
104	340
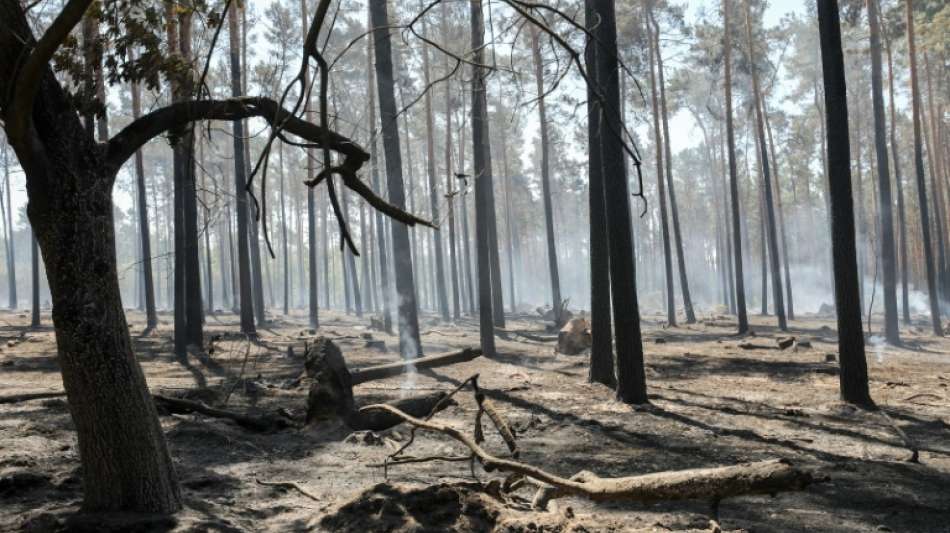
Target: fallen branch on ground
714	484
254	423
401	367
17	398
289	485
527	334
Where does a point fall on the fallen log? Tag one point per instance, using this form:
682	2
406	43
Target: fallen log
17	398
401	367
264	424
531	336
714	484
418	406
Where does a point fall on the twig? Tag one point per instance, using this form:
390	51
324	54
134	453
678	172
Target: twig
289	485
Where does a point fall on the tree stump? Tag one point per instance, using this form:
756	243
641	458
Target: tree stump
574	337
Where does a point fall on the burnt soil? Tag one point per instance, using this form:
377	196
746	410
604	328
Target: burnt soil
712	404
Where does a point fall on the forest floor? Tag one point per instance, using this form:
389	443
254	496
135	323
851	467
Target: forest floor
713	404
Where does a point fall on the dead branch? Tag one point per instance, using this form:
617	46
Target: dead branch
17	398
254	423
763	477
422	363
289	485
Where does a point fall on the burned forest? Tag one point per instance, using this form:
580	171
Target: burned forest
475	265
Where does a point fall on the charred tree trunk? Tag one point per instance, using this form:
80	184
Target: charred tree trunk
450	192
546	178
927	244
661	188
631	377
853	365
733	177
381	240
602	349
481	169
443	300
886	241
901	217
677	234
409	344
313	305
776	272
246	302
125	463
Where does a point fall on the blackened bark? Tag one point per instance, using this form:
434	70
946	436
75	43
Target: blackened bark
481	168
631	377
886	241
35	277
853	364
246	302
602	349
409	344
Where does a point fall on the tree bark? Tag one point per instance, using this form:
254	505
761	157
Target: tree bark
11	250
741	311
631	377
443	300
381	240
901	217
482	175
450	192
886	241
927	243
853	376
246	301
546	178
767	182
409	343
668	160
661	188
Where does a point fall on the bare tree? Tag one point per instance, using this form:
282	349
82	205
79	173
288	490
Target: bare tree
853	375
409	343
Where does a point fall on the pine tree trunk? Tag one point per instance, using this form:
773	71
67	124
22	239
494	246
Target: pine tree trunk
853	364
443	300
602	349
767	191
733	177
450	193
11	250
789	302
246	300
927	243
409	344
385	300
631	376
668	160
898	181
886	240
482	176
546	176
